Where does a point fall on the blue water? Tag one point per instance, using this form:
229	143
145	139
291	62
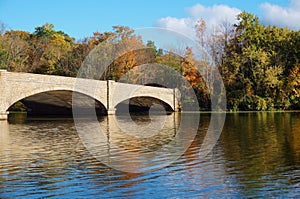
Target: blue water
257	155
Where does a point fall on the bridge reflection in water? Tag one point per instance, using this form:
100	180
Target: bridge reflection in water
137	143
130	144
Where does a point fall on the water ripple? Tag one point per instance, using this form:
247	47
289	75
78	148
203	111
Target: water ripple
256	156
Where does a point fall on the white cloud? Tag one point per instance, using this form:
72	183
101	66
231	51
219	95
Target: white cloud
182	25
282	16
213	16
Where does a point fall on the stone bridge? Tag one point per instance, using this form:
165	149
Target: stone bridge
55	94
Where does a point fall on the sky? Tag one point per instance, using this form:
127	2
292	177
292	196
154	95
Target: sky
80	19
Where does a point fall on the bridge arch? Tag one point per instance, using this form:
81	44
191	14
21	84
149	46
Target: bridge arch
143	95
61	99
142	103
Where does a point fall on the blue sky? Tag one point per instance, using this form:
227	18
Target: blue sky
81	18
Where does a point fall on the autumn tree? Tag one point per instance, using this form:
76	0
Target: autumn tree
14	50
258	61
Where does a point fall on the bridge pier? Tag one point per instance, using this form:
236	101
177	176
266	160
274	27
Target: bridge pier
111	111
4	115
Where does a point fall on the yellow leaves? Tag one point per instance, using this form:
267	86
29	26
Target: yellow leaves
271	76
58	39
294	77
296	92
17	33
293	82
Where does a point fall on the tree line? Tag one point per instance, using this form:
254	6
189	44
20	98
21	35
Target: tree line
259	64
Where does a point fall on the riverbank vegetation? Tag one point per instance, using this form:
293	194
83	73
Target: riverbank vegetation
259	64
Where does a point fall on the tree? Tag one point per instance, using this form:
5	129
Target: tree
254	65
50	50
15	45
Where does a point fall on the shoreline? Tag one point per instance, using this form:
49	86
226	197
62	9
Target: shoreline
227	112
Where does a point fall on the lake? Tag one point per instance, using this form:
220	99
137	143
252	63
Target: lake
257	155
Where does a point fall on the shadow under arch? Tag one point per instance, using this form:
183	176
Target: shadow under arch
143	105
59	103
155	85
